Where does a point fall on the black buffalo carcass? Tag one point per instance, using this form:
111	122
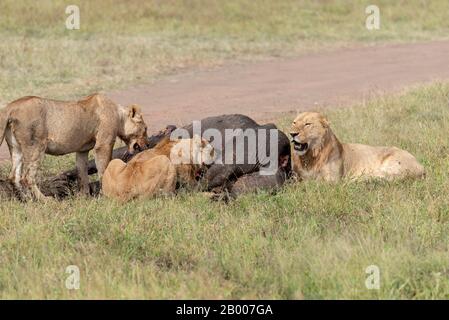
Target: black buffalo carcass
249	157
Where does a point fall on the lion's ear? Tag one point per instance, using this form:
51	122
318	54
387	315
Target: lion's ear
326	123
134	111
204	143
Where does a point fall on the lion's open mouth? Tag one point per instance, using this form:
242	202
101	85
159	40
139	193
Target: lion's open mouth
300	147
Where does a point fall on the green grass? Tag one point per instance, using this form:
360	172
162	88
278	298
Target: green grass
125	42
312	240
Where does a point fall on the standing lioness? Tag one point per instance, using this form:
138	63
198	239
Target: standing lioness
34	126
317	154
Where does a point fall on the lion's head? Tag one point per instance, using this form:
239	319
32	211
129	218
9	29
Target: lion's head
196	151
134	130
193	157
308	132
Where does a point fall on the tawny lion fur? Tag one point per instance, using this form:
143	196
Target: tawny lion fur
155	171
36	126
318	154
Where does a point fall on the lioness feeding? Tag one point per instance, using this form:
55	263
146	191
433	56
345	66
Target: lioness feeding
220	177
318	154
36	126
158	170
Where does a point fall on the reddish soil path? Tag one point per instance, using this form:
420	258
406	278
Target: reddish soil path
267	90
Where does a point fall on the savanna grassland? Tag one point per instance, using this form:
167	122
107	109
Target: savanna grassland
310	240
125	42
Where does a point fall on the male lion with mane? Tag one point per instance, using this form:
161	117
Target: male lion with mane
318	154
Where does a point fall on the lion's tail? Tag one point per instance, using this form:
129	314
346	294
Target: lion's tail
4	119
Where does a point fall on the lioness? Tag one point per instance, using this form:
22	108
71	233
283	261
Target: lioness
34	126
158	170
317	154
221	176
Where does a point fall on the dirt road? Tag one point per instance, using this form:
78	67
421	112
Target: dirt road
269	89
